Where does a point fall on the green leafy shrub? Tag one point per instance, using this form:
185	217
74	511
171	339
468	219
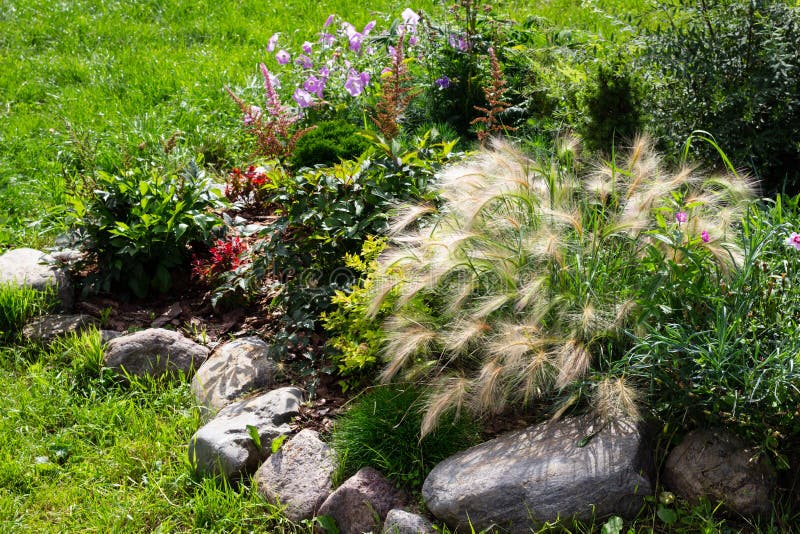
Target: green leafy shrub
355	338
137	226
525	285
737	364
328	143
731	67
381	429
18	304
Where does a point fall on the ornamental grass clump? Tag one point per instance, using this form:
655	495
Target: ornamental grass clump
522	285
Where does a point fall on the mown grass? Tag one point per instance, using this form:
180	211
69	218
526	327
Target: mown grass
92	84
80	452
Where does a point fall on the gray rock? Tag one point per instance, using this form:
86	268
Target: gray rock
723	468
224	446
401	522
154	352
231	371
541	473
47	328
35	269
361	503
298	476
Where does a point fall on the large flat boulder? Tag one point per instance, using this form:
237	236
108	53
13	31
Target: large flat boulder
298	476
37	270
570	468
231	371
721	467
154	352
225	445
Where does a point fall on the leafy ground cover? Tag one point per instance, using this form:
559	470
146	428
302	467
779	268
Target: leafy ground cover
247	159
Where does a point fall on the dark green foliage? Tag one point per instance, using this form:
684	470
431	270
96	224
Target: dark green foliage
732	68
613	105
328	143
734	358
382	430
137	226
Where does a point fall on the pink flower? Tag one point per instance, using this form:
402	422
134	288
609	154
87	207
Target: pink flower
253	114
412	40
704	236
794	240
282	57
681	217
355	41
354	84
368	28
302	97
329	21
410	19
272	42
305	61
326	39
307	47
314	85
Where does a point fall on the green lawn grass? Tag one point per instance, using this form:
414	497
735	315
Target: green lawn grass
89	84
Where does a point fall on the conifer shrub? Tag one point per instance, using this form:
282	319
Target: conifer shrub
329	143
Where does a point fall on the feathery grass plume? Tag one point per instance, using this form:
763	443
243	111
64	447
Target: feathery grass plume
451	394
535	267
616	399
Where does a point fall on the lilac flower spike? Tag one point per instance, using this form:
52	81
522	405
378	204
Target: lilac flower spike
704	236
794	240
282	57
681	217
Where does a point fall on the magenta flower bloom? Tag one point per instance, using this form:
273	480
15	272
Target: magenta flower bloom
314	85
326	39
794	240
302	97
354	84
355	41
282	57
305	61
329	21
365	77
273	41
368	28
443	82
412	40
681	217
324	72
704	236
307	47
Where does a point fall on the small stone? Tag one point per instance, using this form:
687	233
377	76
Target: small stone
231	371
401	522
361	503
298	476
225	446
47	328
35	269
154	352
721	467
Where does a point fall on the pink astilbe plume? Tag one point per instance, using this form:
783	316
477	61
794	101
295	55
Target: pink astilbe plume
275	128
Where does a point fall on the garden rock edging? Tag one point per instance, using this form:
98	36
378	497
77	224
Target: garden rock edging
570	468
722	467
37	270
225	445
154	352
